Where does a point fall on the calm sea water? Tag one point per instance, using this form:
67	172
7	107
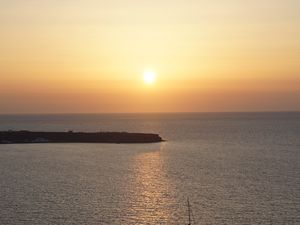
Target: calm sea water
236	168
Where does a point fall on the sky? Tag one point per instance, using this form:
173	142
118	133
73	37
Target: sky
89	56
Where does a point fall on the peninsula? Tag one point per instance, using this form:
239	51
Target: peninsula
23	137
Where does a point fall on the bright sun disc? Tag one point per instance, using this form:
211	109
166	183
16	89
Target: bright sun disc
149	77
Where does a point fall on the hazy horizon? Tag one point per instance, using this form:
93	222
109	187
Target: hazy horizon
94	56
144	113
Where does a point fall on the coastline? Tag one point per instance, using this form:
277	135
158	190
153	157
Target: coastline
26	137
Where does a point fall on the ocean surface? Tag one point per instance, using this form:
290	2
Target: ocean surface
236	168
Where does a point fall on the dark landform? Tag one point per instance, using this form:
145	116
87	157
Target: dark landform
23	137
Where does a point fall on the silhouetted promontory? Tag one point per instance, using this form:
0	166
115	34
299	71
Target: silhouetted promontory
16	137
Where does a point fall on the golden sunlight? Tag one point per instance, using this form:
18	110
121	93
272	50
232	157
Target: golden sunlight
149	77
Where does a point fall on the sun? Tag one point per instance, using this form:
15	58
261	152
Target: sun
149	77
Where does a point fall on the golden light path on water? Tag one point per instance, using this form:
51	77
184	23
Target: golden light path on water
152	203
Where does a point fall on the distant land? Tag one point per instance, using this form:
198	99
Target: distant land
26	137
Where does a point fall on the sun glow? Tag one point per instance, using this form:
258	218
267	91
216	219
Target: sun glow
149	77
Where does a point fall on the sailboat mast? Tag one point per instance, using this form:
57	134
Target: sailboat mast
189	211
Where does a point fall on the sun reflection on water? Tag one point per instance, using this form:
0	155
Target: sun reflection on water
152	190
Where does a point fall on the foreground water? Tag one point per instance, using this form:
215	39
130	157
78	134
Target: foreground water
235	168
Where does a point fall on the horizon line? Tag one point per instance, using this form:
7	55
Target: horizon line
154	112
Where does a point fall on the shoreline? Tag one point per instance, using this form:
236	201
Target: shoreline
36	137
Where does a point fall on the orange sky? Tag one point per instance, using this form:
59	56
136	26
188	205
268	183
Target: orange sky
90	56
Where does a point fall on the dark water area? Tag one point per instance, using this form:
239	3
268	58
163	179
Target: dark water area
236	168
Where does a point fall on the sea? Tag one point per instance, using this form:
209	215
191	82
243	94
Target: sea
235	168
